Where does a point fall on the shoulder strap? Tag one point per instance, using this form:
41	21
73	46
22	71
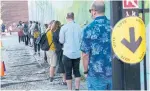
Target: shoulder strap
51	44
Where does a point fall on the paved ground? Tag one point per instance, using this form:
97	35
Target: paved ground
25	71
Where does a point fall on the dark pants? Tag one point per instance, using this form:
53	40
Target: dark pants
29	38
70	64
26	38
36	46
3	30
60	65
29	41
45	56
21	38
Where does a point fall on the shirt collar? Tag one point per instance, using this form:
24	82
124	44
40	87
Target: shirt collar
71	22
100	17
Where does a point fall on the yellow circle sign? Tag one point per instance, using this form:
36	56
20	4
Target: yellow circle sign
129	40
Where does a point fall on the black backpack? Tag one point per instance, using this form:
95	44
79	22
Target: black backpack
44	42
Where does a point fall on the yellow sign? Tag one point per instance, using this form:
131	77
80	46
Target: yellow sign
129	40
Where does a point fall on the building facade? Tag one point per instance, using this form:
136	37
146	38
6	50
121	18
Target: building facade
14	11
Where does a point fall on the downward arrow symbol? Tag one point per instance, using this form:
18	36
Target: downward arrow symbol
132	45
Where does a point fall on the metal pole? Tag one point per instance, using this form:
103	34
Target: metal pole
117	65
125	76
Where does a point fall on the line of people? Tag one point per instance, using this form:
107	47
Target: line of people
68	43
95	44
29	33
64	50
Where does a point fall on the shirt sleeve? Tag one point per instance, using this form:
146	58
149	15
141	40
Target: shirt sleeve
62	36
80	34
86	41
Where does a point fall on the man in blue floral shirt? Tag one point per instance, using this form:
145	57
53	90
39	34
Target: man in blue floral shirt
96	49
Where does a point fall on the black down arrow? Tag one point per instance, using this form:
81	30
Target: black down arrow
132	45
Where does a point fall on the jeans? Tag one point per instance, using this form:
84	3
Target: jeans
36	46
26	38
21	38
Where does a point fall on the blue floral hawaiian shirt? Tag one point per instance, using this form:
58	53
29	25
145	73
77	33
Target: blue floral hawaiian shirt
97	43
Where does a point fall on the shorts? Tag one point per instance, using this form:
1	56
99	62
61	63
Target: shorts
70	64
99	83
51	58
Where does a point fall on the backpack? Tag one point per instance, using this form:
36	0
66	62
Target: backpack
43	41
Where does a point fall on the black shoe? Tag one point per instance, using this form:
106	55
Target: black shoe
76	89
39	54
51	79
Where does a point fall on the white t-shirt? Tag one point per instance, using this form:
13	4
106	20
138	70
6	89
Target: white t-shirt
32	28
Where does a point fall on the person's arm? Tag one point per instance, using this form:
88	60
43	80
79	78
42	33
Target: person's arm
62	36
85	48
85	59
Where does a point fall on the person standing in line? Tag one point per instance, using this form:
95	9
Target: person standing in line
51	54
20	31
96	49
59	52
69	36
25	30
23	36
36	34
32	30
39	25
29	34
10	29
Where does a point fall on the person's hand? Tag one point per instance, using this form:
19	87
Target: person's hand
85	75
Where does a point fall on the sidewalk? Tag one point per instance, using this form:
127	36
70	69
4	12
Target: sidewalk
25	71
45	66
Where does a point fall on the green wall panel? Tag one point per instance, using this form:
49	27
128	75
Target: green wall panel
80	9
